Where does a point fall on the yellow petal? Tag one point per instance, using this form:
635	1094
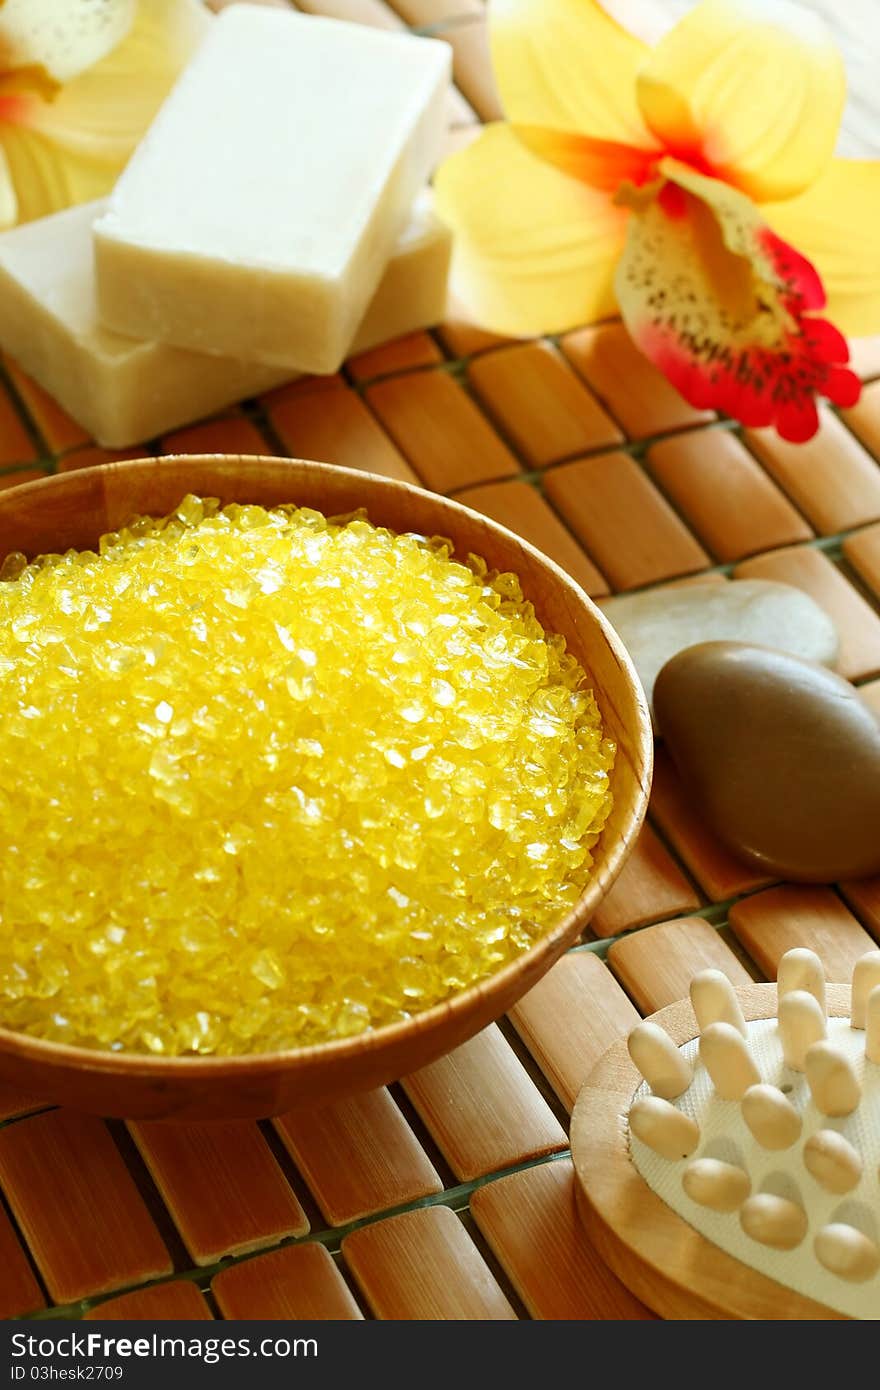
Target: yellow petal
8	200
63	37
46	178
723	306
567	65
836	223
534	249
72	148
750	90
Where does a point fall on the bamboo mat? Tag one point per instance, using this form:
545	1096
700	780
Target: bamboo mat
449	1194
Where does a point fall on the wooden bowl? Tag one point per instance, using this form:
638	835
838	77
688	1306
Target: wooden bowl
74	509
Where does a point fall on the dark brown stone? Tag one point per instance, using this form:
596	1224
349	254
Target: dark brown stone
781	755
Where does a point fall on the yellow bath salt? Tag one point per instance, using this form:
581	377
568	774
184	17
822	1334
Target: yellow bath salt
268	779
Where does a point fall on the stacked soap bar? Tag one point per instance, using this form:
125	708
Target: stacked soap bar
124	390
258	214
274	220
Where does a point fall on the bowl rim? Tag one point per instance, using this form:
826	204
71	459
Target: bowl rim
372	1040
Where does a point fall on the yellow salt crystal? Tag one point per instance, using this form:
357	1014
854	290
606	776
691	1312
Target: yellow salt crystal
287	779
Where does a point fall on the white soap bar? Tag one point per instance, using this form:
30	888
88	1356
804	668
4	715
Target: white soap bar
257	216
124	391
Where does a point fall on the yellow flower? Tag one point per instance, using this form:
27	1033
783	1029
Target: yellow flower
80	81
629	176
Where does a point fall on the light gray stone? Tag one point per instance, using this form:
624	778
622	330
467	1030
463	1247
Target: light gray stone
656	624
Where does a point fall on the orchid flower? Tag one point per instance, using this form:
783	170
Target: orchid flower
80	81
675	182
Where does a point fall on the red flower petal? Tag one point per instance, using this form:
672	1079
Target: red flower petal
722	305
842	387
799	280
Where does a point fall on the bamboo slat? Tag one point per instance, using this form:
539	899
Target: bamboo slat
732	505
857	622
358	1156
523	510
436	425
482	1109
833	481
655	966
179	1299
331	423
719	873
54	424
19	1290
625	524
299	1282
222	1185
531	1222
77	1206
863	552
540	404
771	923
651	887
424	1265
568	1019
864	899
636	393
